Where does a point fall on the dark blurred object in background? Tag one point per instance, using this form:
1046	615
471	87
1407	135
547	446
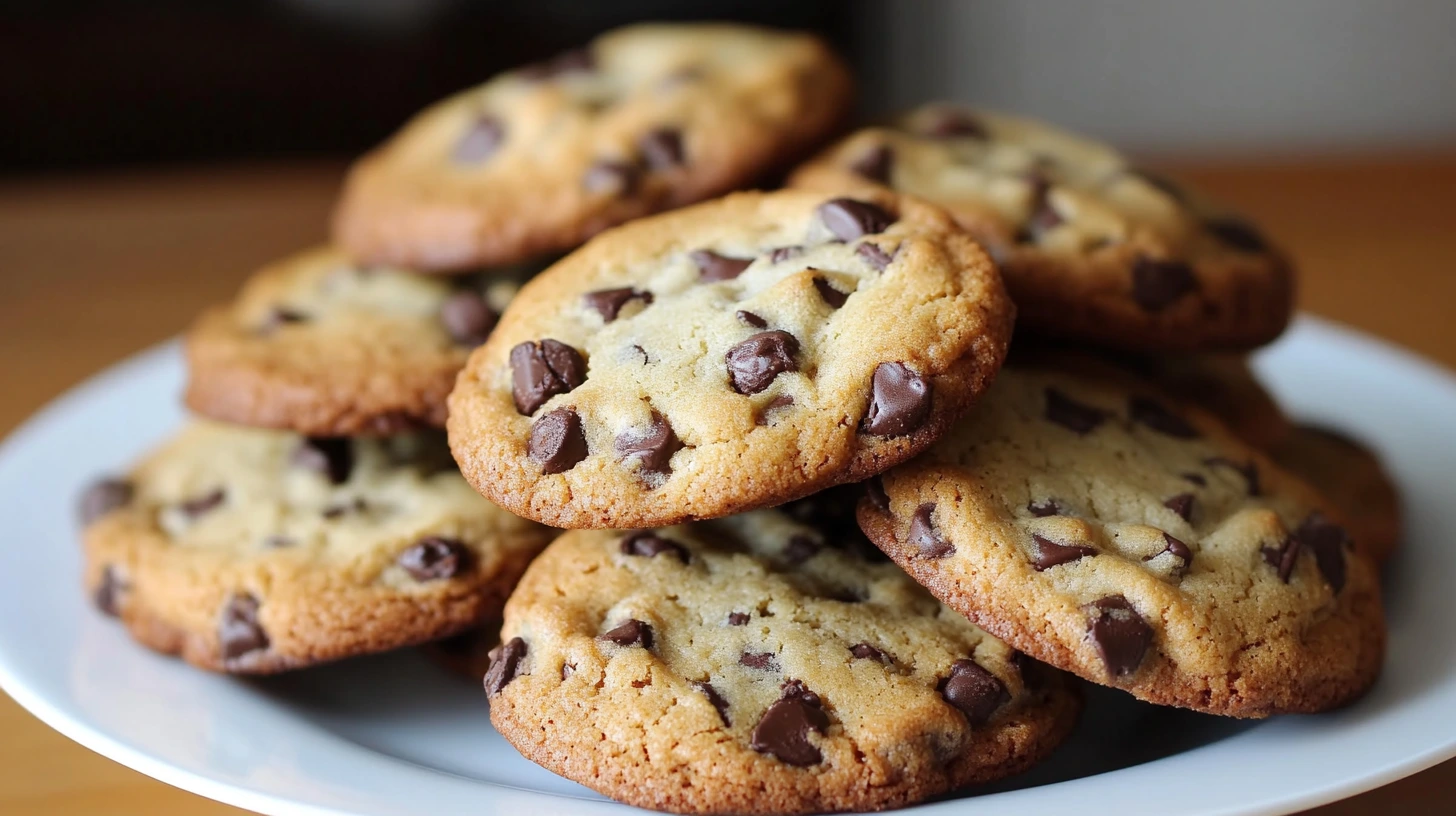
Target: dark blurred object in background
102	82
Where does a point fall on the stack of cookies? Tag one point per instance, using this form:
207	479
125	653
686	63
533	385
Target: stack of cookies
834	543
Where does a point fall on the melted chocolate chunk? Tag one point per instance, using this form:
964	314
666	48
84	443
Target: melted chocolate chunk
435	558
716	699
540	371
653	449
1119	634
848	219
1046	553
558	441
1182	504
1282	558
103	496
662	148
751	319
925	536
632	633
1156	285
467	318
873	255
329	456
900	401
238	630
758	660
649	544
1328	541
738	618
505	665
754	363
1155	415
829	294
1177	549
977	693
609	302
280	316
713	267
783	732
1074	416
864	651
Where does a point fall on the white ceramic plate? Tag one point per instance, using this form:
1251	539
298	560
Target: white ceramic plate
395	735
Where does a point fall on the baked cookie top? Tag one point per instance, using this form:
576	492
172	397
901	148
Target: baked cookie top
727	357
644	118
1134	541
1092	248
1353	478
320	345
248	550
756	664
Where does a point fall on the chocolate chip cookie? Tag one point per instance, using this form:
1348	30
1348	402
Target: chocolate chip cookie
1092	248
1134	541
643	119
729	356
755	664
320	345
255	551
1351	476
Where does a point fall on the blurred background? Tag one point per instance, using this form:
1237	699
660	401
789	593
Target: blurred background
154	152
95	83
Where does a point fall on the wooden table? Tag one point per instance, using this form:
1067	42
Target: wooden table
94	268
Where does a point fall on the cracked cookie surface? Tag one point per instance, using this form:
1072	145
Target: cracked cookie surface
759	664
1117	534
255	551
729	356
642	119
320	345
1092	248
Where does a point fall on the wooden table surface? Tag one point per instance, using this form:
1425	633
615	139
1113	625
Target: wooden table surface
93	268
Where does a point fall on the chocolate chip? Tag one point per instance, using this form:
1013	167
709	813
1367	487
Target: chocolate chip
781	401
829	294
864	651
849	219
505	665
435	558
557	441
784	253
1044	217
238	630
875	492
1155	415
949	123
649	544
329	456
103	496
1156	285
1182	504
467	318
577	60
716	699
109	591
1045	508
1177	549
1237	233
609	302
1282	559
632	633
713	267
899	401
652	449
1328	541
483	138
751	319
737	618
925	536
1070	414
977	693
1249	470
875	164
784	728
1046	553
662	148
754	363
608	176
204	503
1119	633
873	255
800	549
280	316
540	371
758	660
1196	478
